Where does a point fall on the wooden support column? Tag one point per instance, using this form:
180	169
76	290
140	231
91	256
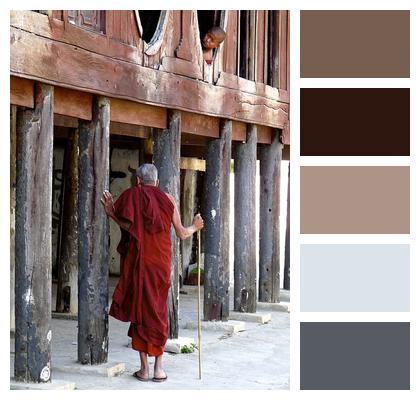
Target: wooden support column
216	217
286	278
188	207
269	268
67	293
34	149
166	157
245	264
13	113
93	235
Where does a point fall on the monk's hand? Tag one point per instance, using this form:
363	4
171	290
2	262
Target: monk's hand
198	222
107	202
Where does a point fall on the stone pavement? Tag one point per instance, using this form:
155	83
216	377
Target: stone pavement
257	358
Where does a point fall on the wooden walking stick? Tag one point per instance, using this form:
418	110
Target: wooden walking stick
199	305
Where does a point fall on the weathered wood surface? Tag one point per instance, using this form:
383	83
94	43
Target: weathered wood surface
64	32
68	263
283	61
166	156
188	205
21	92
34	57
73	103
269	260
34	151
191	163
245	264
216	217
13	113
93	235
286	277
199	124
230	43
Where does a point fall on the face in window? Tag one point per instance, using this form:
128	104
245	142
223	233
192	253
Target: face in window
210	41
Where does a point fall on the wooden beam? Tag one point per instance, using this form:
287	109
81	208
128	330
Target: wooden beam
33	238
93	235
65	121
21	92
193	163
64	32
264	134
238	131
34	57
269	260
166	156
216	215
245	263
73	103
197	124
130	112
118	128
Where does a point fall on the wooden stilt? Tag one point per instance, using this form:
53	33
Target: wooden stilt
216	217
33	238
166	156
269	260
13	112
93	235
245	268
286	278
199	303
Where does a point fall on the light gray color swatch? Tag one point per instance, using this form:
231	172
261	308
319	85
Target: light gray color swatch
355	277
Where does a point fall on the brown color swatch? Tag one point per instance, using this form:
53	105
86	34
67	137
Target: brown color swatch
350	43
348	200
355	122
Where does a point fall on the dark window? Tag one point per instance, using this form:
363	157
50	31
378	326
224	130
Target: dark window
149	22
206	20
271	59
246	44
93	20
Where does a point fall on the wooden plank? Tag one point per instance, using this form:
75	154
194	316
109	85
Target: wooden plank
257	88
193	163
238	131
21	92
245	262
264	134
93	227
283	50
73	103
288	52
167	146
269	259
230	43
65	121
34	151
181	67
134	113
216	215
64	32
193	140
118	128
31	57
199	124
260	45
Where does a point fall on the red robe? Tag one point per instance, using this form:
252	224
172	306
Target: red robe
142	290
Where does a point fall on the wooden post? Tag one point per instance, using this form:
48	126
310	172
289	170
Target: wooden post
286	278
187	213
216	217
269	265
34	149
13	113
245	265
68	257
166	156
93	235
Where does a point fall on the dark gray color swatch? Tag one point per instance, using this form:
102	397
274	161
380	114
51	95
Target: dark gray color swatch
355	355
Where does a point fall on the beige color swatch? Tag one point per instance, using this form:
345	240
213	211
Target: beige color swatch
357	200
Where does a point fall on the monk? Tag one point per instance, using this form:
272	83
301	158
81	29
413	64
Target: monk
212	40
145	214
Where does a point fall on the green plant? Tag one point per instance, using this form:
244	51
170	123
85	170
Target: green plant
189	348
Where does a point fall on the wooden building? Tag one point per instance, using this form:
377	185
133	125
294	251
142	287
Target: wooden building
93	81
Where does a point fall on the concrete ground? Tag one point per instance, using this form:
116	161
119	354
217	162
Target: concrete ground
257	358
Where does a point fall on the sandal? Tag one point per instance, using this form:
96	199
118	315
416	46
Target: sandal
139	377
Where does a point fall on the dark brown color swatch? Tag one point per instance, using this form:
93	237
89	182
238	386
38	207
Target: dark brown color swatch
350	43
355	200
355	122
